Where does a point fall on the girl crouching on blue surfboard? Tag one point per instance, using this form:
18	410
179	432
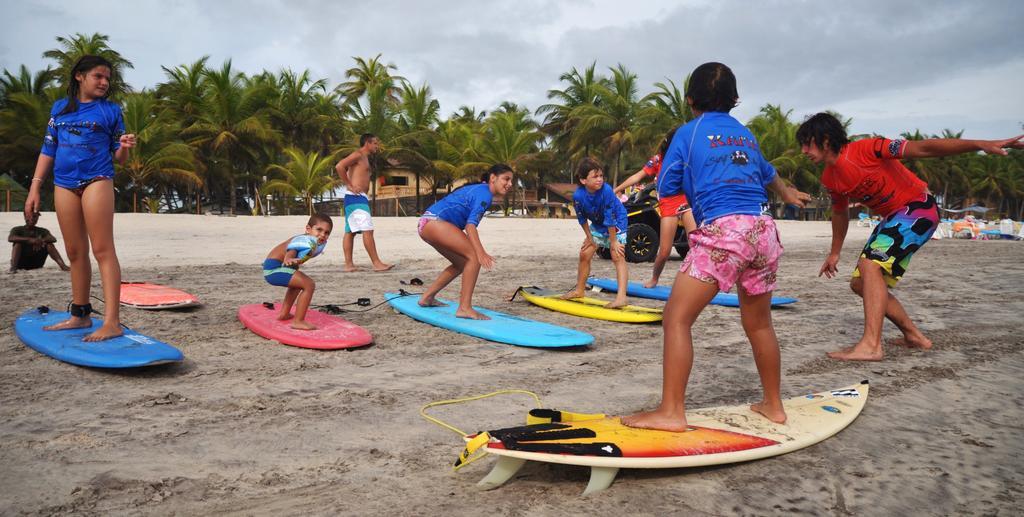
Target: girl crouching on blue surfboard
84	135
281	268
450	227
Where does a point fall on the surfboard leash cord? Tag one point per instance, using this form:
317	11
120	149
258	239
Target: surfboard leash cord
332	308
470	453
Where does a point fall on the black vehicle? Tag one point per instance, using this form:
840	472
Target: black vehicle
643	233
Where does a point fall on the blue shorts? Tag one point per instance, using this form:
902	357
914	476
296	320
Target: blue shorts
602	239
275	273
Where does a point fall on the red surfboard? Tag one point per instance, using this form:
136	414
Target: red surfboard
332	332
151	296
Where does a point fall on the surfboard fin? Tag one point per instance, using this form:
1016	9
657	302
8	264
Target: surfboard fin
600	479
547	416
503	470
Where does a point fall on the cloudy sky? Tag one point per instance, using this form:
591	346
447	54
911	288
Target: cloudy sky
890	65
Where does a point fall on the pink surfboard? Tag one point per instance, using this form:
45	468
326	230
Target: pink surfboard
332	332
151	296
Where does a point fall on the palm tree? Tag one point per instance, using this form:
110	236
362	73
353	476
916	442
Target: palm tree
614	120
159	158
25	82
231	127
306	175
25	102
582	90
666	107
74	47
776	139
369	73
296	109
182	93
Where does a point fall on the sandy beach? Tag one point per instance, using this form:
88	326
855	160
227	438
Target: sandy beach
251	427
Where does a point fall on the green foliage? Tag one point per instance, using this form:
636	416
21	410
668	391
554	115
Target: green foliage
213	134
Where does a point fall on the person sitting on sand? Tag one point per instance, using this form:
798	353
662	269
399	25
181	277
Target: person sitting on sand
869	171
281	268
31	245
449	225
716	161
603	219
354	171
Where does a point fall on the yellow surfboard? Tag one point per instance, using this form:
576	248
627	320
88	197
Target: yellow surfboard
589	307
716	436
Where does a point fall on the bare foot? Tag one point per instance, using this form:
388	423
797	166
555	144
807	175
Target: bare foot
653	282
917	341
350	269
858	352
71	323
657	419
303	325
380	268
104	332
471	314
773	412
432	302
575	293
616	304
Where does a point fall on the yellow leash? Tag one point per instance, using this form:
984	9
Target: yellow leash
469	454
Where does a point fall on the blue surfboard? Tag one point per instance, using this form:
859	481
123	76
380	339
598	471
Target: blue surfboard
127	351
501	328
661	293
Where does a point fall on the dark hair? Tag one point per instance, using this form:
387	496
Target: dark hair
666	142
366	137
712	87
320	217
820	129
585	166
496	169
83	65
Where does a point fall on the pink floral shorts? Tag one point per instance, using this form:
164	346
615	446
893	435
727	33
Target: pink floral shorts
735	249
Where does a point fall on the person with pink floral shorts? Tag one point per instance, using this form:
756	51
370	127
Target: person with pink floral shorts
737	249
717	163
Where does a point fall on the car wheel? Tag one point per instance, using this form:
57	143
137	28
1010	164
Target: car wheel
642	243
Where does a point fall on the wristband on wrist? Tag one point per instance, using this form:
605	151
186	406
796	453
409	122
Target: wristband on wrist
37	179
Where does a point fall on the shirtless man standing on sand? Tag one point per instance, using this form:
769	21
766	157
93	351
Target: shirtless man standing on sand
354	171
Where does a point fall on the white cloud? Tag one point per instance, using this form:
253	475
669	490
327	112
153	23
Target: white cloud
912	64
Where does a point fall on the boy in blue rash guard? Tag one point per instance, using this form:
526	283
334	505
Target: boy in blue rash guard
281	268
450	227
84	136
603	219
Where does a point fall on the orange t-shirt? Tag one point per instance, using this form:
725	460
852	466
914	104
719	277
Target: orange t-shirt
869	172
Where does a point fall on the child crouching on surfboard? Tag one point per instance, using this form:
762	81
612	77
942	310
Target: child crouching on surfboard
603	219
716	161
281	268
450	227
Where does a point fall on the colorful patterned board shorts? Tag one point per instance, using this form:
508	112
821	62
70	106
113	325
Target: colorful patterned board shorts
901	234
736	249
275	273
357	213
601	240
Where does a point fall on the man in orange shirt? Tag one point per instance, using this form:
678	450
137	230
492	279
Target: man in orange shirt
870	172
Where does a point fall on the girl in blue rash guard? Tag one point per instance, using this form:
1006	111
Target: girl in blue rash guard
442	227
85	130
